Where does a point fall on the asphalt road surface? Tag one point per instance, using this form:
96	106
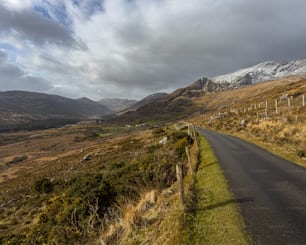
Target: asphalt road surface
271	191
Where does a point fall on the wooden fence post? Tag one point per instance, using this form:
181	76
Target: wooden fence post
189	160
179	177
266	113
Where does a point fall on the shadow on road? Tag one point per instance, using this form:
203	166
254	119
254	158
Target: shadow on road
205	166
209	164
222	204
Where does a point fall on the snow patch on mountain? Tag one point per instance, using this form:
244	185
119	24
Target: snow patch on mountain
264	71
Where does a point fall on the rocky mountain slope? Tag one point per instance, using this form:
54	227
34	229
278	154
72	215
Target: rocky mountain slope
269	70
175	105
201	96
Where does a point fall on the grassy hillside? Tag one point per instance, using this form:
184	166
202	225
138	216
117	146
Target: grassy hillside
271	114
70	193
22	110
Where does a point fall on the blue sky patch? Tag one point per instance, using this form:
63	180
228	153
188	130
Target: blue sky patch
56	13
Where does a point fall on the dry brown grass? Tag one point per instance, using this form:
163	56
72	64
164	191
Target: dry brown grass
156	218
129	218
246	96
283	131
162	222
53	154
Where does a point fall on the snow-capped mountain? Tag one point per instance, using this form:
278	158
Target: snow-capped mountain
269	70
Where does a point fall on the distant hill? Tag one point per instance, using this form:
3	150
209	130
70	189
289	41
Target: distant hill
124	105
21	107
175	105
116	104
180	101
149	99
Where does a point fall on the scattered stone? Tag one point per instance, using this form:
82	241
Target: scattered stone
12	201
242	123
87	157
163	141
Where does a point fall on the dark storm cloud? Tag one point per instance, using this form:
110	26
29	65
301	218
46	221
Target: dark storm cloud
253	31
152	45
268	29
29	25
175	45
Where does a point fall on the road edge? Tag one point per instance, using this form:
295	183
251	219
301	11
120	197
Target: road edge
216	216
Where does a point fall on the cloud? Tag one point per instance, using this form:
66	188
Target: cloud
28	25
13	78
17	4
3	57
138	47
160	44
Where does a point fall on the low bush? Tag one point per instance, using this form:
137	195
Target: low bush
74	206
179	135
180	146
74	214
158	131
43	186
181	140
14	239
154	147
301	153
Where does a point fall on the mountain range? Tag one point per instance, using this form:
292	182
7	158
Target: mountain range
185	101
17	107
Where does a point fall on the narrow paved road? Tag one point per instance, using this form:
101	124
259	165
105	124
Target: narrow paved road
271	191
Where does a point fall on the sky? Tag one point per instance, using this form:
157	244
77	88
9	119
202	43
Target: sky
133	48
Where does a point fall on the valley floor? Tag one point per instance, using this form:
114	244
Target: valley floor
104	184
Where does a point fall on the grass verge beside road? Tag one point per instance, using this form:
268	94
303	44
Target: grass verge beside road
216	215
